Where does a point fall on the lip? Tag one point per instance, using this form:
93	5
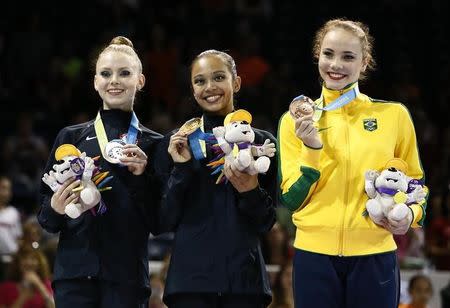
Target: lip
336	76
212	99
115	91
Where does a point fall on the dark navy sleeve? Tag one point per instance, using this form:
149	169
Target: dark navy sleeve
258	205
47	217
145	189
174	179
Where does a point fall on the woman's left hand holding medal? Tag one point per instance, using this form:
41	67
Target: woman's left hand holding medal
179	147
133	158
302	110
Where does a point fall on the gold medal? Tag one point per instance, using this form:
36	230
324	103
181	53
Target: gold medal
303	105
190	126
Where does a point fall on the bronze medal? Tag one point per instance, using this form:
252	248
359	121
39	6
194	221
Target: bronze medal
301	106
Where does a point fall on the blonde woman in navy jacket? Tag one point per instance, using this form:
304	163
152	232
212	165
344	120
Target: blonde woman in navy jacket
102	259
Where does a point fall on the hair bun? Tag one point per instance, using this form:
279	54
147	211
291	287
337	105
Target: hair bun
121	40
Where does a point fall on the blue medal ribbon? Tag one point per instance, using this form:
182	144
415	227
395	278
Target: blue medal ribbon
339	102
197	141
102	138
133	130
342	100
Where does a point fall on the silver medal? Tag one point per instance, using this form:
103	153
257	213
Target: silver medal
113	151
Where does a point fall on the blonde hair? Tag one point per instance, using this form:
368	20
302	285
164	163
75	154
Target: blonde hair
359	29
124	45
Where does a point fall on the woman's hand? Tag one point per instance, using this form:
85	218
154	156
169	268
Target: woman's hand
64	195
240	180
307	132
179	148
399	227
134	158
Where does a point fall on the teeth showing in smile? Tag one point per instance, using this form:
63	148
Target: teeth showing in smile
336	75
212	99
115	91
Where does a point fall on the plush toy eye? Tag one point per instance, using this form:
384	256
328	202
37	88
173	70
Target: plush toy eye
244	122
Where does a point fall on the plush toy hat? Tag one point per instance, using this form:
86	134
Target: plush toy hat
238	115
66	150
398	164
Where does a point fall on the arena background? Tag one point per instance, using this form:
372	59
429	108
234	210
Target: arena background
47	51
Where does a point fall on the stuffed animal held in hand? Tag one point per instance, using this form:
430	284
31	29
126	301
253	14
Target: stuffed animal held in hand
236	138
391	191
78	165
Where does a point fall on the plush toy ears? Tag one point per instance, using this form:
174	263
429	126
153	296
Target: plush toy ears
238	115
398	164
66	150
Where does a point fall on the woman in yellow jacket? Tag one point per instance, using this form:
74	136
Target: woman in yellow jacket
342	258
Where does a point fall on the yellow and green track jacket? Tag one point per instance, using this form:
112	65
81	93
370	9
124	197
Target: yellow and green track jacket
325	188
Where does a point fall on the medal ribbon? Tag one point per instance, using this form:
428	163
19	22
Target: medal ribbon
339	102
197	141
102	138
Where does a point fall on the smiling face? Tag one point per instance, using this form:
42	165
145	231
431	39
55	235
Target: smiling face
341	59
213	84
117	78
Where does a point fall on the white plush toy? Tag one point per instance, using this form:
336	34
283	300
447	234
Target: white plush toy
391	191
236	138
74	164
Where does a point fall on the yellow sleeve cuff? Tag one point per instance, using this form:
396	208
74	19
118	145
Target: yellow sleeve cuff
417	213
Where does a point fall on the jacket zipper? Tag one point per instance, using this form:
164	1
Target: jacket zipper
346	177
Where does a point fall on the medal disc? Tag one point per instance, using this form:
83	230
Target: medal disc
113	151
301	106
190	126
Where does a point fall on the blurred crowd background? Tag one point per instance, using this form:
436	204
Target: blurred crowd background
47	56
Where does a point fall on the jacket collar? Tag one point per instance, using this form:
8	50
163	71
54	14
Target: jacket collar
329	95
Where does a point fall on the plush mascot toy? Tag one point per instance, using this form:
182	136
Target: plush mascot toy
236	138
78	165
391	191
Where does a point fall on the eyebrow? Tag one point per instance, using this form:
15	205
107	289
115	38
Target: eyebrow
349	52
345	52
215	72
120	68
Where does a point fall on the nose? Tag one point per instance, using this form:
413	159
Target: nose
336	64
210	84
114	79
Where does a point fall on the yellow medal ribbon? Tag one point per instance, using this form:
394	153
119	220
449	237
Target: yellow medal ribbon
101	134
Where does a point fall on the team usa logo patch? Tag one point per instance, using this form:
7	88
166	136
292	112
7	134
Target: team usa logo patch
370	124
